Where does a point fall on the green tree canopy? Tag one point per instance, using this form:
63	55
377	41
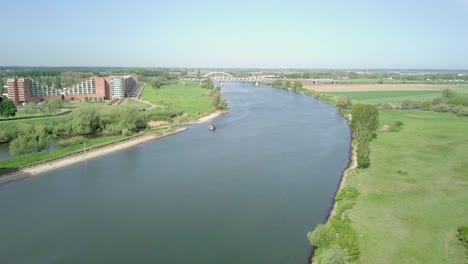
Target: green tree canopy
54	106
86	121
29	139
216	99
8	108
57	83
207	84
365	120
343	102
297	85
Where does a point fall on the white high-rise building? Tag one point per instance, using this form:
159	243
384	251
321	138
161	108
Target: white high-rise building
117	87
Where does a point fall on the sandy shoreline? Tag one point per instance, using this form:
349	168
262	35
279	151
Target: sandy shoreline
207	118
352	165
35	170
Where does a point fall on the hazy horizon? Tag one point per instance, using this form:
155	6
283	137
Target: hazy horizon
403	35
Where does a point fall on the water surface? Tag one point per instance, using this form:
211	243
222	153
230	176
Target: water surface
247	193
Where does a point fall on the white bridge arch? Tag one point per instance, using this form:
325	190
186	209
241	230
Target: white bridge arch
218	74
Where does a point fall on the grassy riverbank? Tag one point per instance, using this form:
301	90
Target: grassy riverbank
413	197
40	157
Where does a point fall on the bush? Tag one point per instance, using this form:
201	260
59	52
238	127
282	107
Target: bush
29	139
462	236
447	93
333	255
458	100
462	111
347	193
396	126
426	105
438	100
363	154
343	102
384	106
321	237
410	104
71	141
442	108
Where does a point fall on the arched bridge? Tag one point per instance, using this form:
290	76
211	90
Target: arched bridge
217	74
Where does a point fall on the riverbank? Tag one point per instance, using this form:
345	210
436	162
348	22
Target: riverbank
207	118
344	178
34	170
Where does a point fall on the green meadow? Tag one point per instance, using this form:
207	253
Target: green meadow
189	98
392	96
414	195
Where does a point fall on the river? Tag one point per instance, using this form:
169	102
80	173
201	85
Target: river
247	193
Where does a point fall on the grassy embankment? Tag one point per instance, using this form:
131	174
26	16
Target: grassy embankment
188	99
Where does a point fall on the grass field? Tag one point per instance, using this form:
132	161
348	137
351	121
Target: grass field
366	87
414	195
392	96
188	98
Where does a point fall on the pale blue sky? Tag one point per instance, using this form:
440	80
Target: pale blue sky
431	34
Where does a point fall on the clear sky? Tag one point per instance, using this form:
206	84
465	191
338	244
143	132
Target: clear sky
423	34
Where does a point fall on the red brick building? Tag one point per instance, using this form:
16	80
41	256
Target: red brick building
96	88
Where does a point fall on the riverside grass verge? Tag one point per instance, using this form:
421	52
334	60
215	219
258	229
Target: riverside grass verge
410	204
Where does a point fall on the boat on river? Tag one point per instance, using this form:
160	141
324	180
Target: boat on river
211	127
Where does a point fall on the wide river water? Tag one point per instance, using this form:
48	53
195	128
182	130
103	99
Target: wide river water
247	193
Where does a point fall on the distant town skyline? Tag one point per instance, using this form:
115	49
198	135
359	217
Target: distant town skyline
242	34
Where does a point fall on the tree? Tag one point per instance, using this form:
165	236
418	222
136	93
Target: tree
363	153
57	83
7	108
54	105
215	100
207	84
222	104
86	121
30	108
198	73
297	85
29	139
156	83
343	102
125	121
365	120
1	86
447	93
277	83
287	84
